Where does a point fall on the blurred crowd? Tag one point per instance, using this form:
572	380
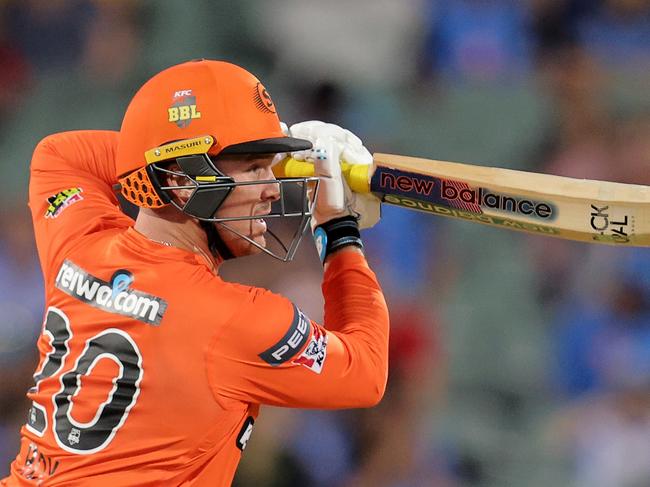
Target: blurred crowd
515	359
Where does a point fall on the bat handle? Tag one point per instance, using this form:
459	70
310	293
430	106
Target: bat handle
356	175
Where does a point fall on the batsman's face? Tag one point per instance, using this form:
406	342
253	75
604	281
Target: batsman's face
248	200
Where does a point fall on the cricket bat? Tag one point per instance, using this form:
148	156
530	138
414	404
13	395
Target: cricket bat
543	204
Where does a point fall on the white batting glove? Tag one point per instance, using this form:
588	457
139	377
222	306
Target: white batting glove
331	145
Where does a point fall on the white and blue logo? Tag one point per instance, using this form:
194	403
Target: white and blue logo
120	281
320	238
115	296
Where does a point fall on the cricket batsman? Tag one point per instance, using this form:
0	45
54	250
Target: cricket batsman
152	368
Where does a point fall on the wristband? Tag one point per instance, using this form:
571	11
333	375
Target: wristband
335	234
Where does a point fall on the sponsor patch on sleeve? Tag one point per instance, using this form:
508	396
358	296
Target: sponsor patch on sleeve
292	341
61	200
313	357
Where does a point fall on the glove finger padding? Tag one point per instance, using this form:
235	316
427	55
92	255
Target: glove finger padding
350	146
340	145
353	150
330	202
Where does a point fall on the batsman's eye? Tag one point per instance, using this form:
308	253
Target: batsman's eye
260	168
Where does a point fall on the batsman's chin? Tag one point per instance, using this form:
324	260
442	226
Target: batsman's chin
250	247
259	240
242	247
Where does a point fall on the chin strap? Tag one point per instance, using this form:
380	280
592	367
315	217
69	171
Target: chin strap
216	245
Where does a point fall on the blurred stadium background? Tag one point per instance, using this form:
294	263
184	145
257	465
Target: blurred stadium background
516	360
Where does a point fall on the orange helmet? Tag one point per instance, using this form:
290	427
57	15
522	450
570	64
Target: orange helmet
203	98
189	114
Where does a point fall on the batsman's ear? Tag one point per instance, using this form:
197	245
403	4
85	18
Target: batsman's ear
176	180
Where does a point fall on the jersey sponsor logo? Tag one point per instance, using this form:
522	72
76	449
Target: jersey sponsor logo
61	200
115	296
245	433
183	108
313	357
292	341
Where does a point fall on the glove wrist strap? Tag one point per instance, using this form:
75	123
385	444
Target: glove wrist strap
335	234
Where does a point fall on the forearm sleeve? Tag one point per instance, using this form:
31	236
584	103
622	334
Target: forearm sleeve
271	353
70	191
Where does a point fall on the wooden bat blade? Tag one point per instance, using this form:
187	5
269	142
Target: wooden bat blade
575	209
544	204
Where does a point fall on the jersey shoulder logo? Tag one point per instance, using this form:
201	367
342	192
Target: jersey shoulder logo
115	296
61	200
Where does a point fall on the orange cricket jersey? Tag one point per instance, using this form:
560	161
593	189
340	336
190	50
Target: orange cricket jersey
152	368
